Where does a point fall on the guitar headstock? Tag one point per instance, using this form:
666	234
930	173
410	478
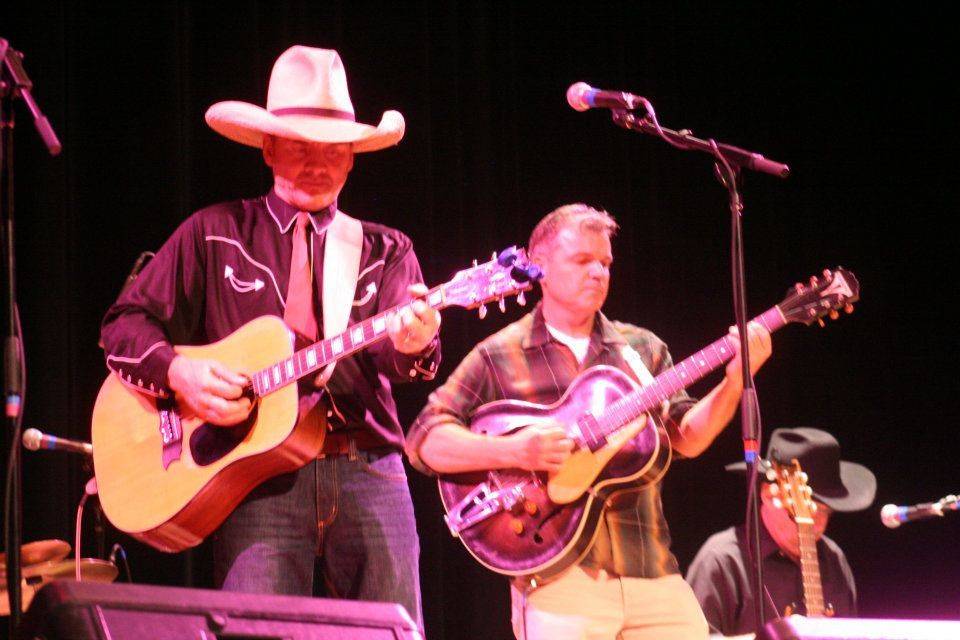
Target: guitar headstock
791	491
822	296
506	274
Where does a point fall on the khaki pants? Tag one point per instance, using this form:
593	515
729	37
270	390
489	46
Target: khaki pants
590	604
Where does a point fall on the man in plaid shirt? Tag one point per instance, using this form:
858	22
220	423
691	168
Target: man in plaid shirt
628	585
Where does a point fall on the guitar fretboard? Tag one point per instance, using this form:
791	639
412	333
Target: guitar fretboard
596	428
810	570
319	354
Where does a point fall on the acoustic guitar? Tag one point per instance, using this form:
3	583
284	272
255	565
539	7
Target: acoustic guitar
532	526
169	479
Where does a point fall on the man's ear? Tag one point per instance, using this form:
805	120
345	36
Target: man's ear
268	150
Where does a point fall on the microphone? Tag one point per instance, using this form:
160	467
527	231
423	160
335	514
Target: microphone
582	96
893	515
34	439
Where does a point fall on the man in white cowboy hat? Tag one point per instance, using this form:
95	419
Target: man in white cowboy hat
293	253
721	575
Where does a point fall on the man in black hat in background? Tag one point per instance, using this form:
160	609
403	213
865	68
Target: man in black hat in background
721	574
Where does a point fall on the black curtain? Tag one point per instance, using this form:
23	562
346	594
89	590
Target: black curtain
854	97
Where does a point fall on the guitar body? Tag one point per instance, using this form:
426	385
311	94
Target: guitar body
173	494
552	521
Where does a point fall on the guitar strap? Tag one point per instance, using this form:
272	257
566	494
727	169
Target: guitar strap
636	363
341	268
643	374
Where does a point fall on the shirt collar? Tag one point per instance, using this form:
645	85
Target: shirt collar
603	330
284	213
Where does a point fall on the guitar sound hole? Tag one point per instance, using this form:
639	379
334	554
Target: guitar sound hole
209	443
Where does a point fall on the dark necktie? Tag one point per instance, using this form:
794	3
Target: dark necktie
299	314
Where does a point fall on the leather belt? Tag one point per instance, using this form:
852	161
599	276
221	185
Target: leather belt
337	443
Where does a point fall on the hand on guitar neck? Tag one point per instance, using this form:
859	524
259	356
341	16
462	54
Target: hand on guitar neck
211	390
414	327
760	350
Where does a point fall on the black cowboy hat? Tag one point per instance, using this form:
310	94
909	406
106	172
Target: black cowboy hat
839	484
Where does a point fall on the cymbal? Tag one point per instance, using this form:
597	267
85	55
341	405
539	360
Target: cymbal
37	575
36	552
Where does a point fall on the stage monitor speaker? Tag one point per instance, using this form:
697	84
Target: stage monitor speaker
93	611
802	628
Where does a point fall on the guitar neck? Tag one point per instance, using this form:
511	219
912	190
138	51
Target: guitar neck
810	570
678	377
318	355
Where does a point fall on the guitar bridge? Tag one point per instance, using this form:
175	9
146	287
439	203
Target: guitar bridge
171	434
480	504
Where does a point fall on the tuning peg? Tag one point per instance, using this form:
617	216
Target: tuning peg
777	503
503	305
848	308
493	256
521	299
507	257
819	322
803	476
797	287
813	507
827	274
834	314
813	281
475	263
774	489
482	311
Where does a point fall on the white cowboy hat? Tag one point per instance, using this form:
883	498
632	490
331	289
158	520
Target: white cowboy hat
307	100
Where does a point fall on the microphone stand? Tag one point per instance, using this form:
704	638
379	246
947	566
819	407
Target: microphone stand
14	84
729	160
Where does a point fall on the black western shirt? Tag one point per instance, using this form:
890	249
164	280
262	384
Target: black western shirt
228	264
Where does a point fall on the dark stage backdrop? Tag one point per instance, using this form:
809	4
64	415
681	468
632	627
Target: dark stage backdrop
855	97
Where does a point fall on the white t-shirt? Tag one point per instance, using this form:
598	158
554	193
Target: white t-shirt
578	346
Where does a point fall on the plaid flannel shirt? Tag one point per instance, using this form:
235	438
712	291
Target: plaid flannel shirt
524	362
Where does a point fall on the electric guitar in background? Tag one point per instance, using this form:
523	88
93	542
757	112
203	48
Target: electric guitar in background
169	479
532	526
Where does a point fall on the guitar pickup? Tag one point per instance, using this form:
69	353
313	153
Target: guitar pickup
480	504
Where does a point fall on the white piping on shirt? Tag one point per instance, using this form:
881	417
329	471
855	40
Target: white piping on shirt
128	381
371	291
252	261
378	263
241	286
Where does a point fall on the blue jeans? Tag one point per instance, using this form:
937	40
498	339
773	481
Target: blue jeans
352	511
